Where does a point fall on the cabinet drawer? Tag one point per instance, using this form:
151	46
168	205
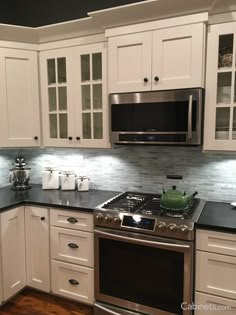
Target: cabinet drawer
212	305
216	242
73	281
72	246
72	219
216	274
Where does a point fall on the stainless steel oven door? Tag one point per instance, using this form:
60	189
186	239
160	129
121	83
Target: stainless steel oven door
142	273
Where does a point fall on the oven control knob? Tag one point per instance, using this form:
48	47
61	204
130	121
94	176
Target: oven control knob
161	226
172	228
99	217
108	218
183	229
116	220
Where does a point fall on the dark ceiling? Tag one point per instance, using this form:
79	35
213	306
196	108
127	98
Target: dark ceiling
43	12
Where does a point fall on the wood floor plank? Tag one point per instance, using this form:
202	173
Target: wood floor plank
32	302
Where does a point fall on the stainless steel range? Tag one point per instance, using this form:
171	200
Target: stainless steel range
144	256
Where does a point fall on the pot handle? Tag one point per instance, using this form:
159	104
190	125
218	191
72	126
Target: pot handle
174	176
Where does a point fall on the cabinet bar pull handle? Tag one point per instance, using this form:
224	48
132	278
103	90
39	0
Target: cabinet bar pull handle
73	245
72	220
73	282
190	113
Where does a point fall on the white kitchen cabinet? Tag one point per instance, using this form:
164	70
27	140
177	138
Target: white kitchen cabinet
167	58
19	98
72	260
13	251
37	247
74	96
215	277
220	102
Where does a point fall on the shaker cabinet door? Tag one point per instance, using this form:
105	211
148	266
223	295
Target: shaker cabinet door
129	62
13	251
19	98
37	247
177	58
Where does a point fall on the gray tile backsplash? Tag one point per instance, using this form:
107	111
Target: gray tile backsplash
137	168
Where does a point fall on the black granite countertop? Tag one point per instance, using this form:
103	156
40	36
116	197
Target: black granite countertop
218	216
71	200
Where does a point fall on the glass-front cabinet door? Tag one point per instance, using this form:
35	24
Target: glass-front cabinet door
56	98
220	104
92	101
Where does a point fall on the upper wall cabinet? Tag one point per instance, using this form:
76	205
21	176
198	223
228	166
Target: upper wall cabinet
74	102
167	58
220	107
19	98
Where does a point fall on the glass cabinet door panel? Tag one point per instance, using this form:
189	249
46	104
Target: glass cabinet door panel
52	99
53	125
222	123
86	117
97	125
63	126
51	71
62	97
85	68
97	96
225	55
224	87
97	66
61	69
86	100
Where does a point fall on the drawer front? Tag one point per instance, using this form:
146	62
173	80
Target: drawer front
216	242
73	281
216	274
72	220
213	305
72	246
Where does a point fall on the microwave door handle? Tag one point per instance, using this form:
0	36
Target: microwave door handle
190	113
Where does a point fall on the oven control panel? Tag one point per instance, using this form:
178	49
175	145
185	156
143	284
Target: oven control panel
144	224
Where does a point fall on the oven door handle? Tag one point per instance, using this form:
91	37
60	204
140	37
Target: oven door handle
140	241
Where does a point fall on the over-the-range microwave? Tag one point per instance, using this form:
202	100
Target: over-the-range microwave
158	117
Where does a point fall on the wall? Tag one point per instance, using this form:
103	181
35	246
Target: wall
136	168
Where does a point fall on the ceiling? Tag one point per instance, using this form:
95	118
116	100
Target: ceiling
44	12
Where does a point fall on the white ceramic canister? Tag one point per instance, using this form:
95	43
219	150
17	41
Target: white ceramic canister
50	178
68	180
83	183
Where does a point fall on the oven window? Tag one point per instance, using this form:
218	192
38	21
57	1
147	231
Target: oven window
159	117
141	274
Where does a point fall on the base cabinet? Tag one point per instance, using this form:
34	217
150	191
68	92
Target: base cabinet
13	251
215	277
37	248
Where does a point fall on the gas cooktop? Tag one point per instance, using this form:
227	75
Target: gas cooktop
142	212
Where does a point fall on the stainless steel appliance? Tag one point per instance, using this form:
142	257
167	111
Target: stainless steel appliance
160	117
20	174
143	256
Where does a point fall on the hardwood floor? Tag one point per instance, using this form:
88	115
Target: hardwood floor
32	302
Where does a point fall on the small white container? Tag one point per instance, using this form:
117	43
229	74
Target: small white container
68	180
50	178
83	183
